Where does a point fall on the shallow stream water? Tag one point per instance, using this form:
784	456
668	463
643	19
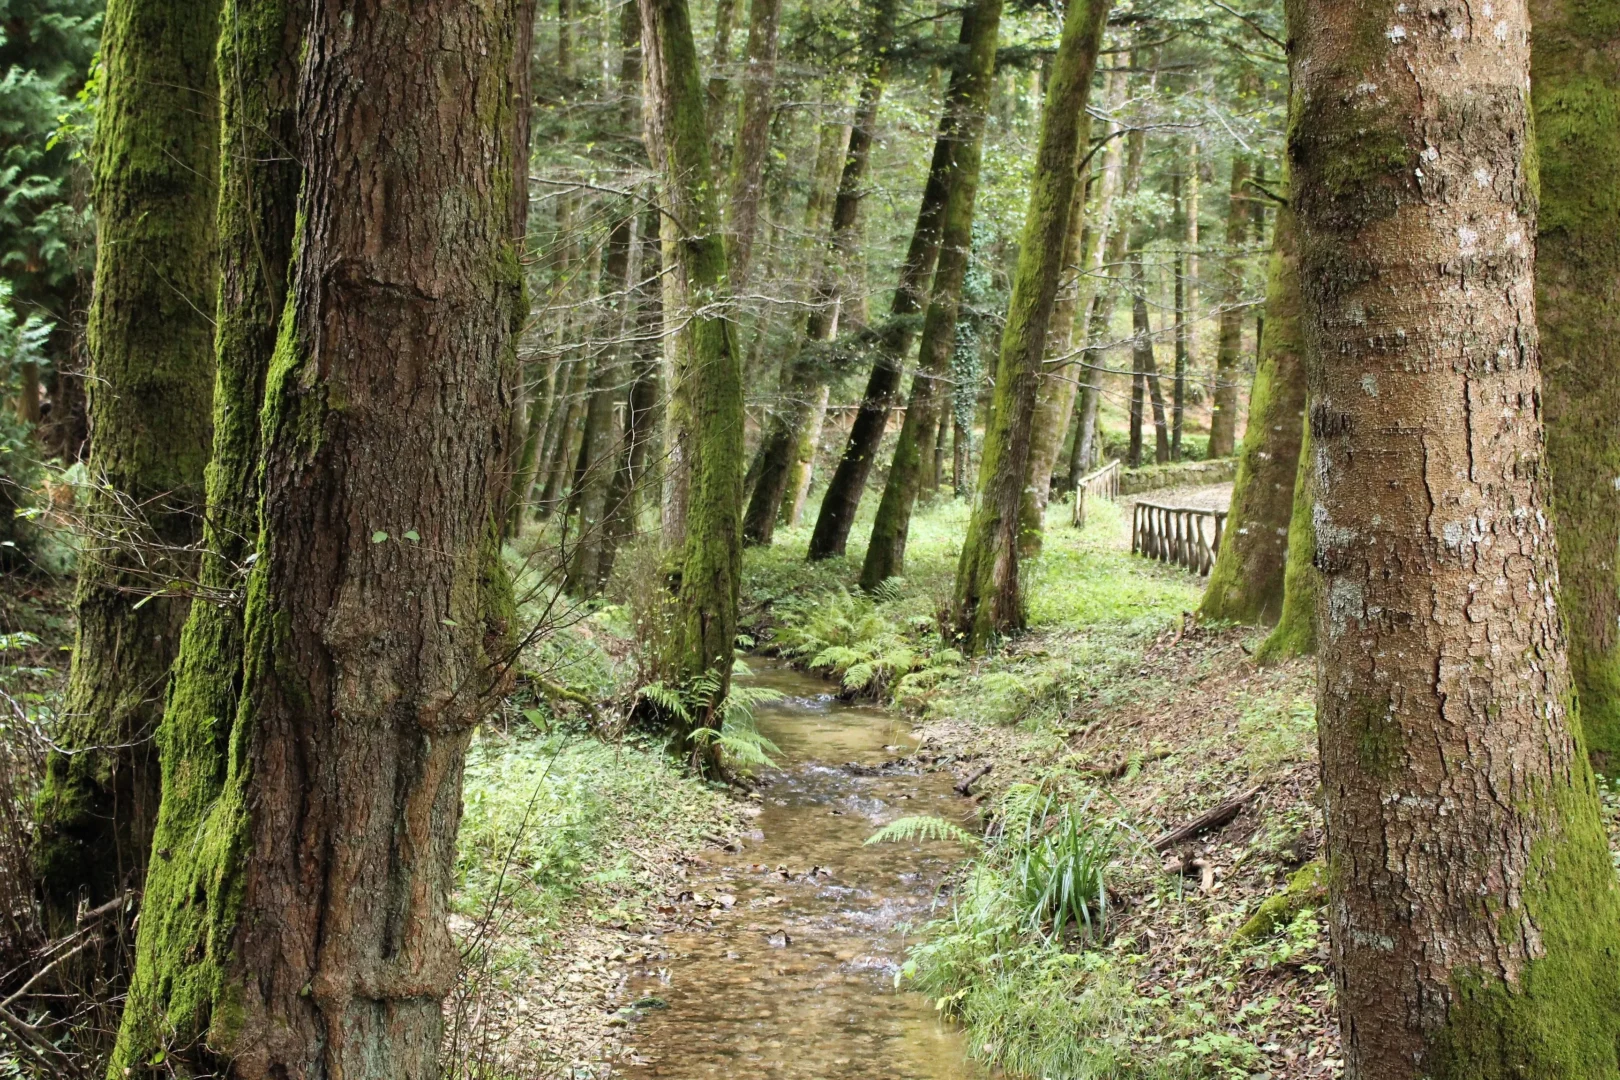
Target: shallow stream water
794	977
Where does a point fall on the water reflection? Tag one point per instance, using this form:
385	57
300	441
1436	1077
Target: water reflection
795	980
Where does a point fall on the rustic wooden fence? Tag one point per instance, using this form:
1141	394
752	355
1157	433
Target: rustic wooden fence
1100	483
1184	535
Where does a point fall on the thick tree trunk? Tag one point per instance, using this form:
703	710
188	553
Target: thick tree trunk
753	139
1576	82
1229	344
706	399
784	459
1246	584
988	600
1472	899
967	100
258	201
523	434
1295	632
321	872
150	385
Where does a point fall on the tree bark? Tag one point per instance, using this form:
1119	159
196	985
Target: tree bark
322	869
1229	345
1295	632
149	385
258	200
988	600
1178	392
753	139
706	401
968	100
1143	326
1472	899
1575	66
1246	584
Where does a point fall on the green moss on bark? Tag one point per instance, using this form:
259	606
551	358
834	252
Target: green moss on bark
151	369
1295	632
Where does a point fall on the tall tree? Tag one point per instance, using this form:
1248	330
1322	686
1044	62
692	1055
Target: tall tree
1295	632
150	382
706	400
988	601
322	869
1229	343
968	97
1472	899
258	185
753	139
1575	68
1246	584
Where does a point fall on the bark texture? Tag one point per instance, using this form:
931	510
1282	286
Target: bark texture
1575	65
1246	584
1472	899
988	601
753	139
706	401
969	99
1229	343
149	385
167	1009
1295	632
321	870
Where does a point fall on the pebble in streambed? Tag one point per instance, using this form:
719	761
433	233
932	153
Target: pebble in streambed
795	980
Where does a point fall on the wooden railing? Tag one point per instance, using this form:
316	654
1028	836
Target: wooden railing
1100	483
1183	535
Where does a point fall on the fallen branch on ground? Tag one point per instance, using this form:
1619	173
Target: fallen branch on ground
965	788
1203	823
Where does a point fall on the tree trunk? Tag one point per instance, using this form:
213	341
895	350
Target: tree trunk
893	342
258	184
753	139
718	92
1576	84
1229	347
1472	899
567	412
1178	393
1138	408
988	600
1246	584
150	384
966	101
785	461
313	940
523	434
802	471
706	400
1149	364
599	449
1295	632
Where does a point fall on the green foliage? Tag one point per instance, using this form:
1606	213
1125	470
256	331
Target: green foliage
22	341
717	717
859	639
922	827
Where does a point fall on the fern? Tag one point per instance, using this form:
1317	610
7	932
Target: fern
923	827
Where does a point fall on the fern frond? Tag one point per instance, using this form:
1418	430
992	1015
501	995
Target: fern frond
922	827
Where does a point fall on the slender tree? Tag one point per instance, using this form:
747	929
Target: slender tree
1575	68
969	99
1246	584
753	139
988	601
1178	392
1295	632
1229	344
150	379
1472	899
706	402
1147	363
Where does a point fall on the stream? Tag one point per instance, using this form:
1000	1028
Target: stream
795	979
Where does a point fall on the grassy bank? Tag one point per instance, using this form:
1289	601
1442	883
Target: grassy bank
1115	720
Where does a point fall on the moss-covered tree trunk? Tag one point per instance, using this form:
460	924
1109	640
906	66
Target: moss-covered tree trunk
1246	584
1229	340
1575	68
784	460
1178	391
968	98
150	384
892	343
1147	363
1295	632
1473	905
706	401
988	601
308	937
258	195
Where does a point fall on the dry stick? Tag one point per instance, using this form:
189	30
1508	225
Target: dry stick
1212	819
964	789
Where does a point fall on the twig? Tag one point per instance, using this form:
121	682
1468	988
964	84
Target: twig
965	788
1203	823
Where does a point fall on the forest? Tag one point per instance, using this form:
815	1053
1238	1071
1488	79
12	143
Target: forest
882	540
